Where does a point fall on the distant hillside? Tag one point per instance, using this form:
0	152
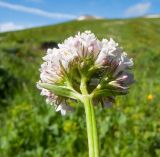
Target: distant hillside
101	27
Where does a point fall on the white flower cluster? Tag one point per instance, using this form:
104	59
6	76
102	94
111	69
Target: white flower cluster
105	53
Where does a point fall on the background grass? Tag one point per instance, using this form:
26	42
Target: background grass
30	128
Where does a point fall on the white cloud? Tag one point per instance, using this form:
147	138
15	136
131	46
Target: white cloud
10	26
138	9
36	11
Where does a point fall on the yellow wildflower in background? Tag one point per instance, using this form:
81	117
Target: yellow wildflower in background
150	97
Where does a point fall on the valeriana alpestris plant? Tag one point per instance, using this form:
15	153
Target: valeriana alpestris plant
86	70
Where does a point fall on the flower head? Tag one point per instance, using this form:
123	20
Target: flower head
103	64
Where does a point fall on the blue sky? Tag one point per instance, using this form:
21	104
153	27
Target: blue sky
20	14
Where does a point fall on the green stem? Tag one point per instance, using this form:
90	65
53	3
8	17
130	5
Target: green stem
91	127
93	143
95	134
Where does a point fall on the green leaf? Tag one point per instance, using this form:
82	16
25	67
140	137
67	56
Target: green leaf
60	90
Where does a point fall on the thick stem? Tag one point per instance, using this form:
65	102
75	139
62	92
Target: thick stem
95	133
91	127
93	143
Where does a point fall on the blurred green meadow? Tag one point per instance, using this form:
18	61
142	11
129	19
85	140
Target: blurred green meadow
31	128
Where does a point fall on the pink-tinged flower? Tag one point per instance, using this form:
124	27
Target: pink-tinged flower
103	63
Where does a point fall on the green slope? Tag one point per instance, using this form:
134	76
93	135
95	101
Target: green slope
30	128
